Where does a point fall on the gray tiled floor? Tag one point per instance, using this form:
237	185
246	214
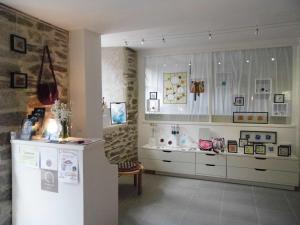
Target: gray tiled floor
179	201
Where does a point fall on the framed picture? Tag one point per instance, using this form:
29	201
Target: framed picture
260	149
243	142
284	150
118	113
18	44
153	105
239	101
153	95
175	88
250	117
259	136
278	98
18	80
270	148
249	149
232	146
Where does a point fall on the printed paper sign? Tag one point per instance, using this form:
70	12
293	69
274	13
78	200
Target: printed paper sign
49	180
68	167
30	158
49	158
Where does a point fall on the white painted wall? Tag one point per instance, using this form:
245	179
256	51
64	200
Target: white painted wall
85	83
286	133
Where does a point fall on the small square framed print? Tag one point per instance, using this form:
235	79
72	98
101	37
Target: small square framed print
249	149
18	80
239	101
232	147
284	150
153	95
243	142
278	98
18	44
260	149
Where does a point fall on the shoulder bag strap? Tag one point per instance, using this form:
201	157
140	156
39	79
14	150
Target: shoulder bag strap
46	50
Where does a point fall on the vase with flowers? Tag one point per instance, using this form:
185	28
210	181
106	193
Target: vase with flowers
62	115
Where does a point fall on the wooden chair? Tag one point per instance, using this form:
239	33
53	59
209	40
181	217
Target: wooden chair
134	169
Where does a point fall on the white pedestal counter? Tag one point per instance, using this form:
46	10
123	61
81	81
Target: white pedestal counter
93	200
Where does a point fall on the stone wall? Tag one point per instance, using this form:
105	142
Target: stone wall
16	103
121	140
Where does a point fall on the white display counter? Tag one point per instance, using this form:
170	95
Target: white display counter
45	192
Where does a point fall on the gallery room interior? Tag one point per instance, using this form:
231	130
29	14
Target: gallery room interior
140	112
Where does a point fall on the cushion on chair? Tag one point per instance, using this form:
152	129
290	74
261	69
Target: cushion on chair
128	166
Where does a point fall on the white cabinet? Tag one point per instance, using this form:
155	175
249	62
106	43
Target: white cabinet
229	166
166	160
273	170
93	200
210	164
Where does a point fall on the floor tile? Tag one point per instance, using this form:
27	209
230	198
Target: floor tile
274	217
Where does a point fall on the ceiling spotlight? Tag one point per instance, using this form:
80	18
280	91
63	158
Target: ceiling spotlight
219	63
125	43
163	40
142	41
209	36
272	59
247	61
190	64
256	31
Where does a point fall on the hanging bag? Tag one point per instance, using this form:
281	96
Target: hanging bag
47	92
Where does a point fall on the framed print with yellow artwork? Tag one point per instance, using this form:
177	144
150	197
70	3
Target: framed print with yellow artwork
175	88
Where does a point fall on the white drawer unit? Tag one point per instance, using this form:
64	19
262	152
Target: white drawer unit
263	175
211	158
283	171
211	170
278	163
176	156
169	166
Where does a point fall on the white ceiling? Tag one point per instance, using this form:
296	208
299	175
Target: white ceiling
132	20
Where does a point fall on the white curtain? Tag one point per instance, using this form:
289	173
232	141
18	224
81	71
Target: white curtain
196	66
227	74
235	74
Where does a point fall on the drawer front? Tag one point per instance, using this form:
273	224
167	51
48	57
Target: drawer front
211	159
210	170
265	176
169	166
263	163
169	155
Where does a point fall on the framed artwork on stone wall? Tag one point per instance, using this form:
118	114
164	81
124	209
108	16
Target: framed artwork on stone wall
18	80
175	88
118	113
18	44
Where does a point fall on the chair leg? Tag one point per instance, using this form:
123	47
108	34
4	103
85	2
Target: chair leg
139	183
135	179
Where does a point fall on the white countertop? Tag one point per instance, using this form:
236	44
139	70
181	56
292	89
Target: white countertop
70	144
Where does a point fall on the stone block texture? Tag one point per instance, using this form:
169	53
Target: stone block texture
121	140
15	104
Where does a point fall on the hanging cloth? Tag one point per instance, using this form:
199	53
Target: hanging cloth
47	92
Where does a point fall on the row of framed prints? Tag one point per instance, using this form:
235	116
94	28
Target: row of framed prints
240	100
258	149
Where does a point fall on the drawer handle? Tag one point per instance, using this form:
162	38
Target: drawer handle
260	169
260	158
210	164
209	154
167	161
167	151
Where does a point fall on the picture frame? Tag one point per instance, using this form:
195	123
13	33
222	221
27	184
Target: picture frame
243	142
279	98
260	149
259	136
239	101
18	80
18	44
153	95
284	150
118	113
249	149
232	146
251	117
